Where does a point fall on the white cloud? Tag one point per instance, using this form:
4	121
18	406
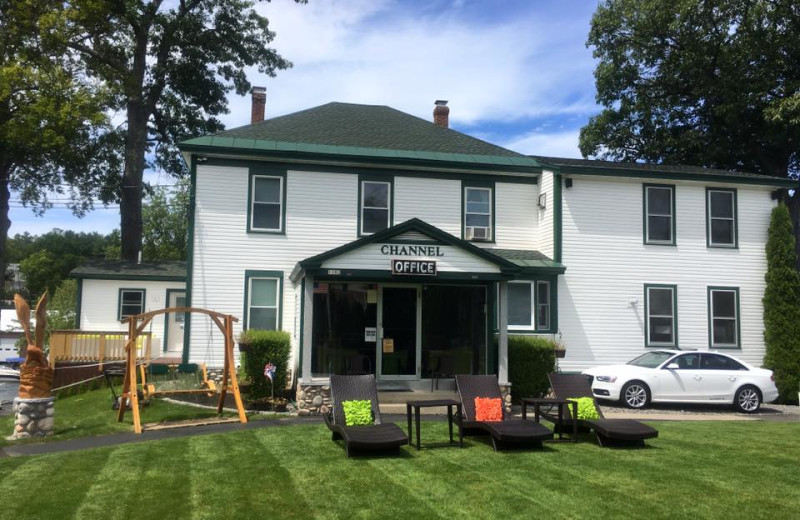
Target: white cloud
553	144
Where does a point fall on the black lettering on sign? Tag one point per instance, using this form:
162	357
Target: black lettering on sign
414	267
394	249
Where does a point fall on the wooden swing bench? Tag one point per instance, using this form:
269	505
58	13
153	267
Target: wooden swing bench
131	386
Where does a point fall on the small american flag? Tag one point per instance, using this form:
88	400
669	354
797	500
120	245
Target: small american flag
269	371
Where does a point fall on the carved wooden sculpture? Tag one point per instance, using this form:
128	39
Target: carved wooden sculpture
35	374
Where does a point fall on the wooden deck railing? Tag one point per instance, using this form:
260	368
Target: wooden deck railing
97	346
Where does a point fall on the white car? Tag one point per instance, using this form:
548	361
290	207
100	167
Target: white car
673	376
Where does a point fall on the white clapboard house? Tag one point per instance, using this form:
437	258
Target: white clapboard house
388	244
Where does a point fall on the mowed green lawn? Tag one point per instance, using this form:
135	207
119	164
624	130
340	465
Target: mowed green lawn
693	470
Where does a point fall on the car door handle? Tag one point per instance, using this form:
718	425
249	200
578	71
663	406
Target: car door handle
697	378
731	378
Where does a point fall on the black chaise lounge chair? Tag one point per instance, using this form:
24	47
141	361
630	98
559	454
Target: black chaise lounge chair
377	436
607	431
507	431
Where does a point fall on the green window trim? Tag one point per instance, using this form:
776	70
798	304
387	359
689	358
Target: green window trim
646	214
674	343
738	317
142	307
735	219
376	178
490	186
535	327
256	274
266	173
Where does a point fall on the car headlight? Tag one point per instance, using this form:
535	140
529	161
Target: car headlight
606	379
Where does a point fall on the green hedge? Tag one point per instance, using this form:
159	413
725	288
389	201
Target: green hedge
266	346
530	359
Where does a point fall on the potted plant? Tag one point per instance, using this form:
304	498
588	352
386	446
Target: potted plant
244	342
559	348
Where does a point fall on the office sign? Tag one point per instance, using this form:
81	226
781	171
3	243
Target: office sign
414	267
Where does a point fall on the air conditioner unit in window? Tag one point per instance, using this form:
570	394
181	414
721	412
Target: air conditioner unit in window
478	233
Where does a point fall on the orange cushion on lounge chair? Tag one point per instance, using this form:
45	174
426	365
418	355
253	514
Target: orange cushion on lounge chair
488	409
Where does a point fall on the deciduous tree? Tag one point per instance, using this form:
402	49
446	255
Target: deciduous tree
170	66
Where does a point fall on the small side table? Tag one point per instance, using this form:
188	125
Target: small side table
449	403
537	403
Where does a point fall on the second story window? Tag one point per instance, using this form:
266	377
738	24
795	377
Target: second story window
659	214
266	203
376	199
478	213
721	217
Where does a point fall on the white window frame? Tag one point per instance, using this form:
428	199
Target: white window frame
122	292
277	305
253	203
548	304
388	207
648	214
710	219
532	286
673	317
735	319
489	214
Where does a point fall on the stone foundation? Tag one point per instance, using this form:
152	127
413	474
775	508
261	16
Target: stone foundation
215	374
34	417
313	399
505	391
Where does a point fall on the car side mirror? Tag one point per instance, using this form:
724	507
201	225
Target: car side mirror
673	366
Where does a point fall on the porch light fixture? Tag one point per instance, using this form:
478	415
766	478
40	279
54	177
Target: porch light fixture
543	201
633	301
568	182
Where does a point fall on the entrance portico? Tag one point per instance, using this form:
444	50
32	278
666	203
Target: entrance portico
406	304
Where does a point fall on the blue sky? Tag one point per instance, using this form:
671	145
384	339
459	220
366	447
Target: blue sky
516	73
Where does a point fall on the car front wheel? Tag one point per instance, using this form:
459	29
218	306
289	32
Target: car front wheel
747	399
635	395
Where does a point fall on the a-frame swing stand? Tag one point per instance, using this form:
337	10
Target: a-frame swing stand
130	386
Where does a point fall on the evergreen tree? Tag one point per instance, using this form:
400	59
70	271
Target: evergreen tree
782	305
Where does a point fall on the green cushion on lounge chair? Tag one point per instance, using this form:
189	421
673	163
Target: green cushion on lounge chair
586	408
357	413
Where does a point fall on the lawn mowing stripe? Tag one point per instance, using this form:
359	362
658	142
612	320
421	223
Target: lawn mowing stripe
124	487
51	495
258	486
354	484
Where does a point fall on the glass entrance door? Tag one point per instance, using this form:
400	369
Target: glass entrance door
398	346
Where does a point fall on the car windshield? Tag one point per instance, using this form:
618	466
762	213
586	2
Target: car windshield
651	359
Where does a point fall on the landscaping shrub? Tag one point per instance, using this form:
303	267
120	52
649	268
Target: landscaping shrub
266	346
782	305
530	359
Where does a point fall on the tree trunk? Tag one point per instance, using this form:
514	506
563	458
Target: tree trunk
5	223
131	201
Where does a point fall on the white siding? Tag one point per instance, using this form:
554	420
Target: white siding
436	201
544	236
100	305
608	265
321	214
517	215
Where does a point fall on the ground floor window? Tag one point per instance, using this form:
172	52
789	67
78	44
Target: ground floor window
529	305
661	302
723	317
263	290
131	302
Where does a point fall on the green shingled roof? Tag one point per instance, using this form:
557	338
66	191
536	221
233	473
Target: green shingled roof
122	270
662	171
359	130
527	258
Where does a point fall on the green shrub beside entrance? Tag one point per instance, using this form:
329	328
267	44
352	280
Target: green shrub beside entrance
530	359
266	346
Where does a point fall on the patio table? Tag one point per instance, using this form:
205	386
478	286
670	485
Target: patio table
449	403
537	403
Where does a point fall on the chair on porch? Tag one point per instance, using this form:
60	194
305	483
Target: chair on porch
503	431
376	436
607	431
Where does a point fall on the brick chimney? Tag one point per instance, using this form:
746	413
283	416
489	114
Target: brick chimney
441	113
259	102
